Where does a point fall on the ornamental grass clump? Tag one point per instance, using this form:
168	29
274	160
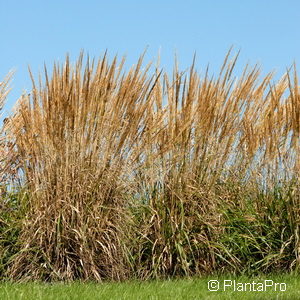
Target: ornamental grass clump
10	215
77	139
223	141
129	175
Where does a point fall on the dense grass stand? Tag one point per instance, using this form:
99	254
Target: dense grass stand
125	175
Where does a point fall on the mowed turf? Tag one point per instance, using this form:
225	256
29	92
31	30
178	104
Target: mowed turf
173	289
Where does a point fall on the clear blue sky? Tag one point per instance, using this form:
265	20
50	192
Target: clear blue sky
34	32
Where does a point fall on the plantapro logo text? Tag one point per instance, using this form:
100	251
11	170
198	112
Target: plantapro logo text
254	286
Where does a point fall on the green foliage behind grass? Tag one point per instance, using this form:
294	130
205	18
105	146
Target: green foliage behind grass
12	214
262	236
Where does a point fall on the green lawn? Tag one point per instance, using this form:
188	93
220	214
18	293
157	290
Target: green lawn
175	289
